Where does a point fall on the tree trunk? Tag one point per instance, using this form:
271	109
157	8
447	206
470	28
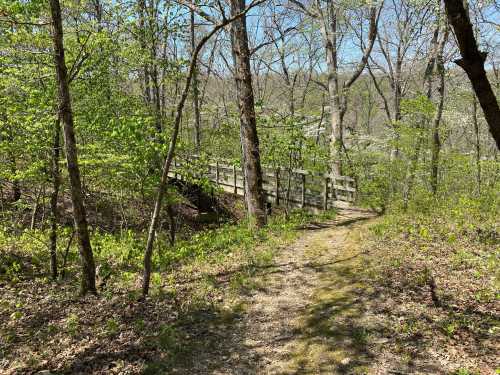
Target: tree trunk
172	224
329	29
16	189
472	62
54	197
148	252
410	181
436	139
36	206
196	92
254	193
338	94
397	106
66	117
141	5
477	144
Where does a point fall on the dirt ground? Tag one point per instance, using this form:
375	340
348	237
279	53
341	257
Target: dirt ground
332	301
315	310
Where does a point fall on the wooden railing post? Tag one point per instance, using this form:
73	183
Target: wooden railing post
217	172
244	183
334	187
325	193
355	192
277	186
334	191
346	186
302	190
235	180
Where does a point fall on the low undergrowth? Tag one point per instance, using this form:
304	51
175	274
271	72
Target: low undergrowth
438	275
45	326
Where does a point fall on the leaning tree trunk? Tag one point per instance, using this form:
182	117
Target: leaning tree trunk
66	117
254	193
472	62
148	252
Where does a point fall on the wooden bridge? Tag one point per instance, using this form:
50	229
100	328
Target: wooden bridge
295	188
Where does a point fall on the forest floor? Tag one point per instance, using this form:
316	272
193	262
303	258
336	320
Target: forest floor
321	308
331	299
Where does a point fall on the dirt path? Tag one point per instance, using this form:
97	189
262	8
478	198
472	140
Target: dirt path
284	319
289	322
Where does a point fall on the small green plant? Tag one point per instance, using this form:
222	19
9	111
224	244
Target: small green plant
51	328
7	335
396	262
462	258
112	327
168	338
72	324
16	315
156	280
452	324
360	336
139	325
12	271
450	328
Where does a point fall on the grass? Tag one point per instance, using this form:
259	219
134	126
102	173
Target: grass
195	284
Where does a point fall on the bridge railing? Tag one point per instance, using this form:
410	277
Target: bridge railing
296	187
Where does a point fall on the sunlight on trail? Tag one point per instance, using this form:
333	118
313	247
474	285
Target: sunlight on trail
334	333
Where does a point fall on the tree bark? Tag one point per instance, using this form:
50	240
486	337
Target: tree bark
141	5
66	117
16	189
477	144
254	193
338	94
472	62
330	36
196	91
148	252
436	138
54	197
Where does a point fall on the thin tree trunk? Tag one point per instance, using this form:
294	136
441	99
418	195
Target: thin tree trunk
329	28
472	62
412	172
196	95
66	252
35	208
172	229
148	252
54	198
338	94
254	193
477	144
141	4
16	188
66	116
436	139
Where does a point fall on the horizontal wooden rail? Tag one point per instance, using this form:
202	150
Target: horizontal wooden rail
296	187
